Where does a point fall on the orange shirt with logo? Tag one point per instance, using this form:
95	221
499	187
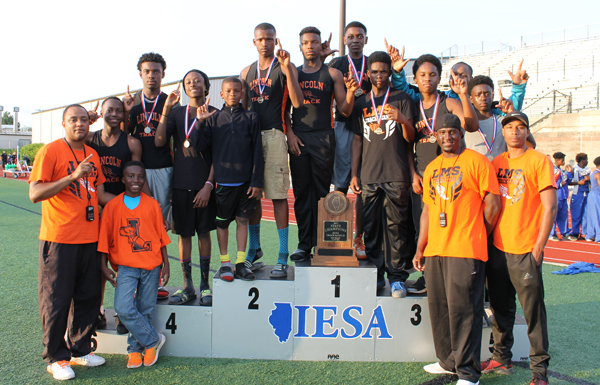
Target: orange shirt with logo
457	186
64	218
521	181
133	238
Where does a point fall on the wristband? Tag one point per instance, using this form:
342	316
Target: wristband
211	184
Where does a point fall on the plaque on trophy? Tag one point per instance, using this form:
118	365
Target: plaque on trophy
335	232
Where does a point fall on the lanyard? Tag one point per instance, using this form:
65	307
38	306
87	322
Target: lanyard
488	145
435	111
355	72
261	87
89	197
188	131
379	116
146	117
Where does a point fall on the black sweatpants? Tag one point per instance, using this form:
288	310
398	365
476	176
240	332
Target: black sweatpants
507	275
455	297
417	209
69	295
311	179
385	220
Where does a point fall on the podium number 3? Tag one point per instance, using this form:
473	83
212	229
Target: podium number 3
336	283
417	319
254	294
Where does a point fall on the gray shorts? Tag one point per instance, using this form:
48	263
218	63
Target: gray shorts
342	165
159	181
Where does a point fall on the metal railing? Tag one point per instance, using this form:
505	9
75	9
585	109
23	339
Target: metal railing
561	34
475	48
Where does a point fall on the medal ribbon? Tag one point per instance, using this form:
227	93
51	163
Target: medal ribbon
261	87
435	111
379	116
148	119
355	72
487	145
188	131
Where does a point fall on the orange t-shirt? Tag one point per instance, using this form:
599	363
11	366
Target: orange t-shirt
521	180
458	190
64	218
133	238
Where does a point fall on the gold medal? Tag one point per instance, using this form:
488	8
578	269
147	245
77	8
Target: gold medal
186	143
358	92
260	99
432	139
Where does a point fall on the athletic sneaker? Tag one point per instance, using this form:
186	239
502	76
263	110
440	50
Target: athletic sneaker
493	366
572	237
61	370
418	287
134	360
465	382
398	289
101	321
162	293
589	239
88	360
151	355
359	248
553	238
279	271
538	381
436	369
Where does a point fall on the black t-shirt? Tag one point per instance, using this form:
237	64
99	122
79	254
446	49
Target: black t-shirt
342	63
317	112
275	93
425	150
191	168
112	161
153	157
385	151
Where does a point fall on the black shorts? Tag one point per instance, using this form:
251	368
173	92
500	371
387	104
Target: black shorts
187	221
233	201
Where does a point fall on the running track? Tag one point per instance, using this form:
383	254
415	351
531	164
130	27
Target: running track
563	252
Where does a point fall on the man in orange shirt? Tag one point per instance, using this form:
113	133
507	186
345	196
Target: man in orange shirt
528	210
134	237
67	179
460	197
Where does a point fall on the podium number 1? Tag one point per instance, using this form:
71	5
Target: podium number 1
336	282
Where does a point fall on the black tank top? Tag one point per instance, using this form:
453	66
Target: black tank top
342	64
425	151
112	161
275	93
317	112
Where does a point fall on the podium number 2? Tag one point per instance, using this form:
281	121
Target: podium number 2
254	294
336	282
171	325
417	318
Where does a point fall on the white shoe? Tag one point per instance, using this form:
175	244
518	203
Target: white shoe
436	369
88	360
465	382
61	370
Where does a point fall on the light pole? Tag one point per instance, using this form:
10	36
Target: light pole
1	113
342	26
16	119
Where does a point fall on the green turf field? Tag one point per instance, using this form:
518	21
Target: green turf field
573	304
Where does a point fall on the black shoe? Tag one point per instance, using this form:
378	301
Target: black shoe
243	273
121	329
101	321
299	255
259	254
418	287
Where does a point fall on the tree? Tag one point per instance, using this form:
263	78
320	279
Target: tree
7	118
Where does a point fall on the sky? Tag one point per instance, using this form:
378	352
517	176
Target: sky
55	53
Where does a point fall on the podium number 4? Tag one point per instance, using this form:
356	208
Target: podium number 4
171	325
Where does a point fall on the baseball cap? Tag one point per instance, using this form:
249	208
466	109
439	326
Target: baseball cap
516	115
448	121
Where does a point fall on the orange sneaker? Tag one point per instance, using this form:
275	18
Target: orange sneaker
134	360
151	355
359	248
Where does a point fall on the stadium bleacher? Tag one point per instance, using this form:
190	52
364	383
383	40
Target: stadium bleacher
563	75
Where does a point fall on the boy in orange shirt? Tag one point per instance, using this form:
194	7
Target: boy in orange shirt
529	207
460	203
133	235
